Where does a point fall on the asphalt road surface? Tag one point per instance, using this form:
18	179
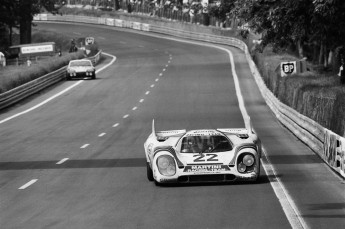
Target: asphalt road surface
78	160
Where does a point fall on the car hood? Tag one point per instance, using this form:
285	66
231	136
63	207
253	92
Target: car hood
80	69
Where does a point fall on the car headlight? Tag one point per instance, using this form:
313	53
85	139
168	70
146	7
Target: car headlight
248	160
166	165
245	163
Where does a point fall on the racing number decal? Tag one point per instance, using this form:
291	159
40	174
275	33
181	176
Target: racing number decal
207	157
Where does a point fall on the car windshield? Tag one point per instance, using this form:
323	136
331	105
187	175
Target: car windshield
80	64
205	144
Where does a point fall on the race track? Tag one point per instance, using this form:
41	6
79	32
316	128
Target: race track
82	153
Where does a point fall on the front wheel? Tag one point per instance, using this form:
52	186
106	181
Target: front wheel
149	172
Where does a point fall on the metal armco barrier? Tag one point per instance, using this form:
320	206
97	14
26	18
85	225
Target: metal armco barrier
329	146
12	96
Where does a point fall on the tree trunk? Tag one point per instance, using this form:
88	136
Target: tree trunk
321	54
300	49
11	33
25	30
25	22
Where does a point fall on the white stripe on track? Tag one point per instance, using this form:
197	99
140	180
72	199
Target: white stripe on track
58	94
28	184
62	161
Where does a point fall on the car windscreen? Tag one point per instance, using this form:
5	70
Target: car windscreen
80	64
205	144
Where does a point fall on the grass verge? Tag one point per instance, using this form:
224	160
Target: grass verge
14	76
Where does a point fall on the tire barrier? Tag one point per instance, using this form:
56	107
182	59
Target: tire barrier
329	146
19	93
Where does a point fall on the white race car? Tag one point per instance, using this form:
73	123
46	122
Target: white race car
210	155
80	69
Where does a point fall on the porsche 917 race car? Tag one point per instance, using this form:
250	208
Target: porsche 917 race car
80	69
210	155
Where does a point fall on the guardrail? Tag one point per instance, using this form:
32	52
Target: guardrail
13	96
329	146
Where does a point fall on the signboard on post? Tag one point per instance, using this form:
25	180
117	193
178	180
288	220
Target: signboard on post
288	68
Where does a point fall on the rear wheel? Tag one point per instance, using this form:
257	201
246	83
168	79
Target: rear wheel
93	76
149	172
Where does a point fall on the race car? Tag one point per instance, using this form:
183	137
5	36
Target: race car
206	155
80	69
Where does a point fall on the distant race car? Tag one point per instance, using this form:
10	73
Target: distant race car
210	155
80	69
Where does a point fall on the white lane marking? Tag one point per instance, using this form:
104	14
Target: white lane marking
152	85
126	116
84	146
157	80
289	207
77	33
164	69
148	92
166	65
134	108
101	135
102	38
169	62
115	125
141	100
28	184
160	74
58	94
62	161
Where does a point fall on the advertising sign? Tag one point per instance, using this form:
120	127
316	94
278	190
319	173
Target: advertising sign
37	49
288	68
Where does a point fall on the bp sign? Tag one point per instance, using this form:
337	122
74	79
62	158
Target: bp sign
288	68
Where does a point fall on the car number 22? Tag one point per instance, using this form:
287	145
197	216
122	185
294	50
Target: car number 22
205	157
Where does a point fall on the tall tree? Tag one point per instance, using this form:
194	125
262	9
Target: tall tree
27	9
9	19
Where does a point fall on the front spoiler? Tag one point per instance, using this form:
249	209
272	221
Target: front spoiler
209	178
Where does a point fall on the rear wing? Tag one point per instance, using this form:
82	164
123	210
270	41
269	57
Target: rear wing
248	130
163	135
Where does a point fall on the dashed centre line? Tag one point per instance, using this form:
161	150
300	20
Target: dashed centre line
152	85
116	124
62	161
141	100
134	108
157	80
28	184
148	92
101	135
126	116
84	146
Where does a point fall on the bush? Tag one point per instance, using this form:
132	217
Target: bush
320	97
14	76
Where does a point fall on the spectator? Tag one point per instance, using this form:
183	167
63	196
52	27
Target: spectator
205	17
192	15
341	73
2	59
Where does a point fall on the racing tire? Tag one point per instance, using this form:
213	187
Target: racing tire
93	76
149	172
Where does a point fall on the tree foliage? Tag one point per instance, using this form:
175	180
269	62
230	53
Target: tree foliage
294	22
20	13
